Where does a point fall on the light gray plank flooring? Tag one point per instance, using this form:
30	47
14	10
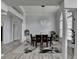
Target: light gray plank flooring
5	48
18	53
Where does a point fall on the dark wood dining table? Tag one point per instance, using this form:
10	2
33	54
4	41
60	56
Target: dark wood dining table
41	43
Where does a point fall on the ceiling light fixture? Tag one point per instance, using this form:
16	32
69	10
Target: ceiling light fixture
42	5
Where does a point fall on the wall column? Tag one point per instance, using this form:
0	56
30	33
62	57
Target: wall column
23	28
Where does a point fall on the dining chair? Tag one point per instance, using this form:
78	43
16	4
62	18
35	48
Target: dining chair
51	38
38	39
45	39
32	39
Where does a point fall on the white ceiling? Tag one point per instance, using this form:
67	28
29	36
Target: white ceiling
32	2
40	10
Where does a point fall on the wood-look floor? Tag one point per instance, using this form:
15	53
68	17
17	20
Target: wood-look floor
5	48
18	53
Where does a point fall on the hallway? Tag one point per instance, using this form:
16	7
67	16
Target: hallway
26	23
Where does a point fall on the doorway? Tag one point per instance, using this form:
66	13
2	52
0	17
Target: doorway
1	34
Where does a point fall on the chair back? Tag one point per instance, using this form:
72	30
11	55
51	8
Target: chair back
32	38
38	38
44	38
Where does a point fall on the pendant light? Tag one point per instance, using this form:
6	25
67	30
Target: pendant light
43	3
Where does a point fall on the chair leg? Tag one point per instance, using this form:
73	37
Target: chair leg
33	43
36	44
47	44
42	43
50	43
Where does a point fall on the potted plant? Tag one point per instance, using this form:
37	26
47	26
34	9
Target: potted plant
26	32
54	36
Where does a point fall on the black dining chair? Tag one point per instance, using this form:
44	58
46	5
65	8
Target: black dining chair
32	39
38	39
50	39
45	39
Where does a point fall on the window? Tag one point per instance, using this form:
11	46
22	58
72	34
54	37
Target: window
69	24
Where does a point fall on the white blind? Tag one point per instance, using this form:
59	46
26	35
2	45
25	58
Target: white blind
69	24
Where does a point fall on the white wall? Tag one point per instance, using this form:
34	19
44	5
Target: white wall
70	3
63	40
57	16
2	20
75	51
23	24
6	29
7	22
23	28
36	26
17	28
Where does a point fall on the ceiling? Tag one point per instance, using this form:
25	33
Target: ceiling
40	10
32	2
18	9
